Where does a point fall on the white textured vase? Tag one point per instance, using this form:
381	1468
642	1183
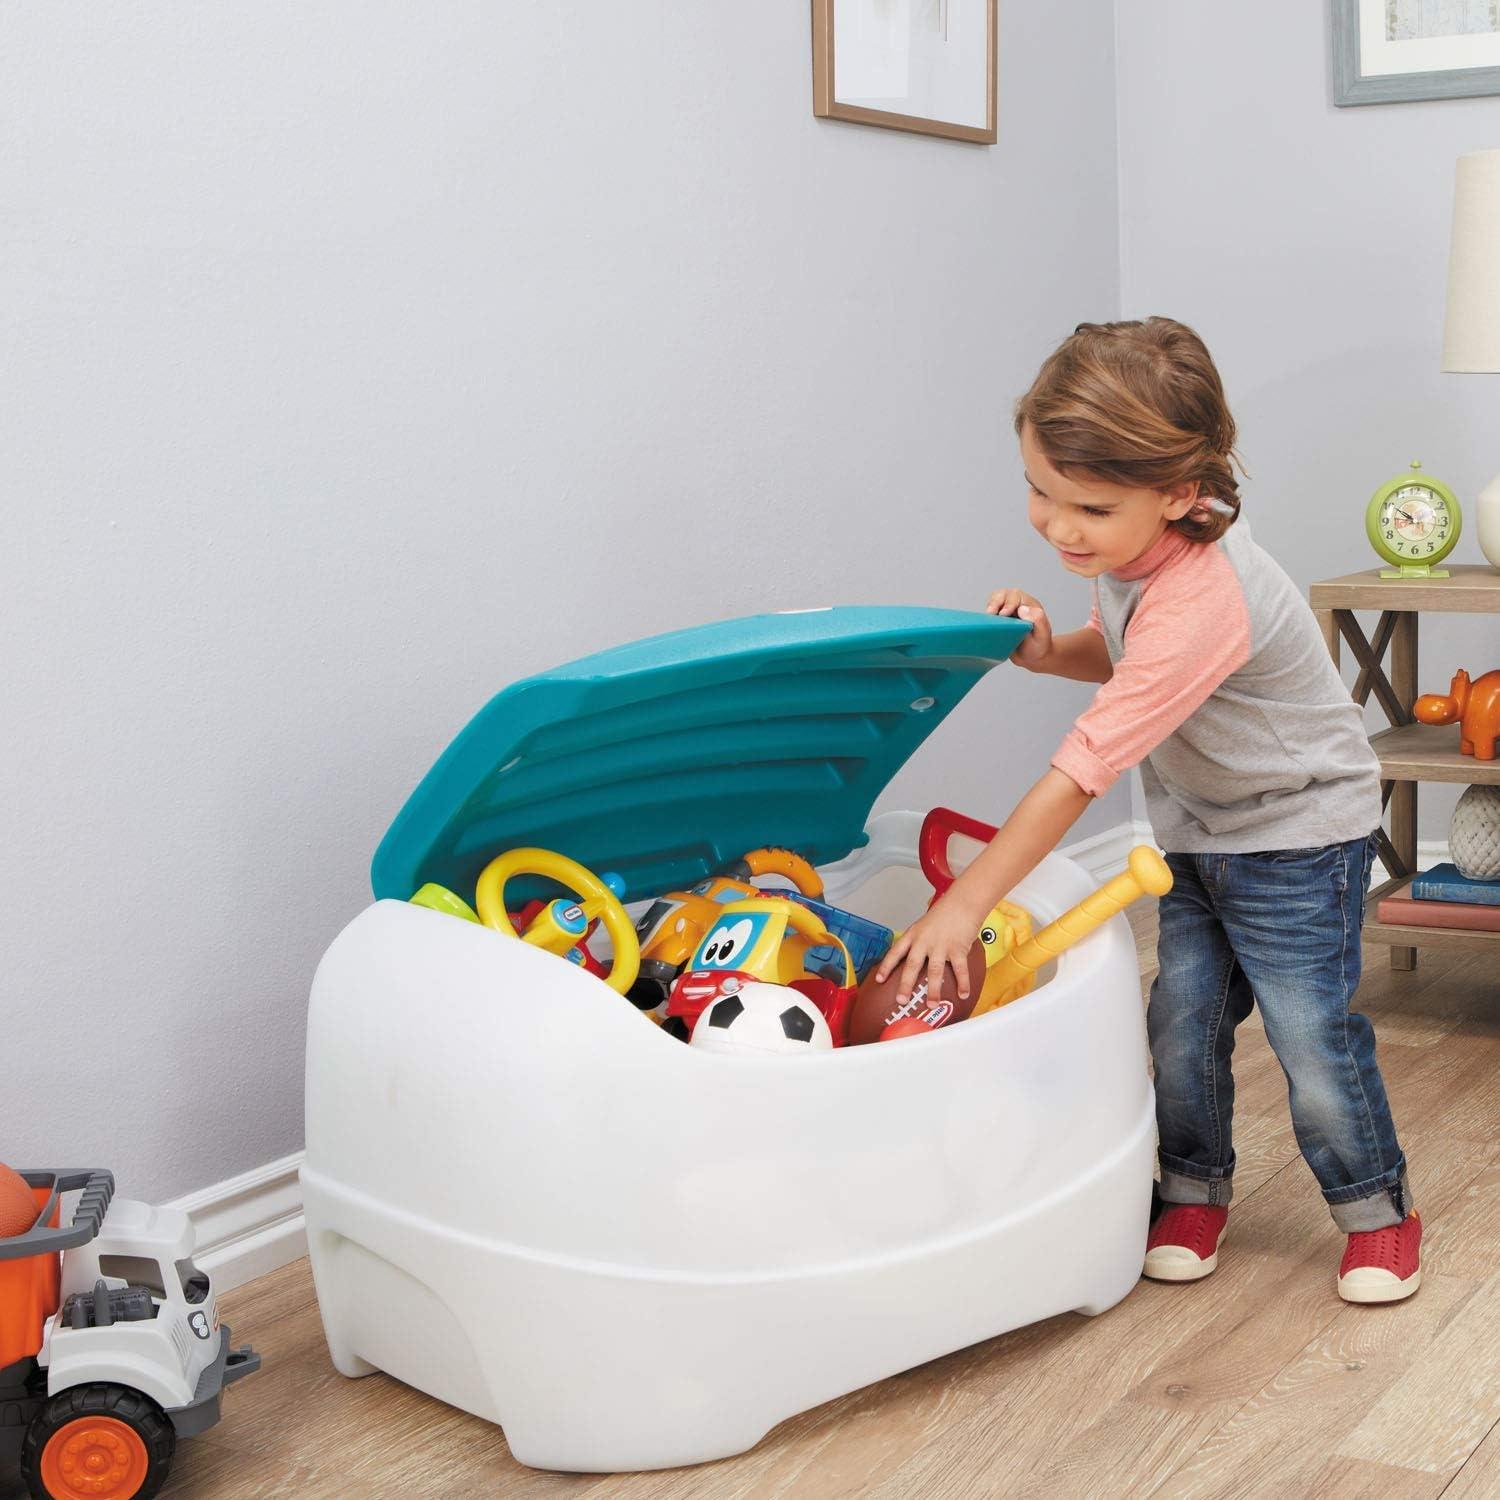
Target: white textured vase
1474	837
1487	521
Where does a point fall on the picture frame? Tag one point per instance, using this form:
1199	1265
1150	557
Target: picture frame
1398	51
927	66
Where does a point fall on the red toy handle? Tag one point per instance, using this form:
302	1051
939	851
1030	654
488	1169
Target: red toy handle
938	827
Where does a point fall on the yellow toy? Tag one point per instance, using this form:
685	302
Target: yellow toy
1015	971
673	927
1004	930
763	939
559	926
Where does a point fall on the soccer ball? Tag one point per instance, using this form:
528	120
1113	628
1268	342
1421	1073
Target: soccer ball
763	1019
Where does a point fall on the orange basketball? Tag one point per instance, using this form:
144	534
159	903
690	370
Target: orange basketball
18	1209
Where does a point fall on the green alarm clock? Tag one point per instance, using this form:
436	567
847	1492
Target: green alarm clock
1413	523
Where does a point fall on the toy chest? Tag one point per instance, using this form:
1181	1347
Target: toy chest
525	1199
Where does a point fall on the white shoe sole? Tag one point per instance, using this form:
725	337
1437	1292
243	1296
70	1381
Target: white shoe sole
1178	1263
1371	1284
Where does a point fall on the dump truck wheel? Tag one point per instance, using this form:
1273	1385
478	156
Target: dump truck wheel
106	1442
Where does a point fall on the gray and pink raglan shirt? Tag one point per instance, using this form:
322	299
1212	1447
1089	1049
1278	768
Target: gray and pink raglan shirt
1226	697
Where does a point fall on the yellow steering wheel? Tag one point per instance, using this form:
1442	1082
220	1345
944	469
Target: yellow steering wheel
560	926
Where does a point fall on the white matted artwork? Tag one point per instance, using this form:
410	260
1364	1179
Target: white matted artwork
1390	51
923	65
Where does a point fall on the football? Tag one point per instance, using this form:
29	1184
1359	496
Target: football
767	1019
875	1010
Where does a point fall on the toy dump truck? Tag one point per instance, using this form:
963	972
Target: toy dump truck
110	1343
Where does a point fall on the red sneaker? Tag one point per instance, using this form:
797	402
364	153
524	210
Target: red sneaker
1184	1242
1383	1265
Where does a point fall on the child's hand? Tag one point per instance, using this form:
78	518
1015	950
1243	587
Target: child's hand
943	936
1037	646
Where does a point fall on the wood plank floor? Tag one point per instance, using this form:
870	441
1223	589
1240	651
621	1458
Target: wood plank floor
1256	1382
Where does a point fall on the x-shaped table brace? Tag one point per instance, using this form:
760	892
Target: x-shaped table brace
1394	699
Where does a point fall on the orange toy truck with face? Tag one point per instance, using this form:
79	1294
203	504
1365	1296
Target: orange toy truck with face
765	939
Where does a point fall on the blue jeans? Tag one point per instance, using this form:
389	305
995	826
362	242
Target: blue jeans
1279	930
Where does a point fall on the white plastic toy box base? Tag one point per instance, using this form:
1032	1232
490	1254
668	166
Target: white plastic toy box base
526	1200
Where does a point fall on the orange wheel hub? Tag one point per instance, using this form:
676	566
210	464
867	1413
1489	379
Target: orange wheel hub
100	1457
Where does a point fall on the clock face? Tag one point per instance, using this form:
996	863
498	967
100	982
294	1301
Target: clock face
1417	523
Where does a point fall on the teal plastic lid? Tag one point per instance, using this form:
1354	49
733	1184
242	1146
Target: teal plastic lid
667	758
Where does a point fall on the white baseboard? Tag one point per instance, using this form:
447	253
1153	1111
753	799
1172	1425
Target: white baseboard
1105	854
250	1224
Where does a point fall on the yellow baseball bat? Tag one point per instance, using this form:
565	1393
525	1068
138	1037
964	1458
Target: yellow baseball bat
1146	875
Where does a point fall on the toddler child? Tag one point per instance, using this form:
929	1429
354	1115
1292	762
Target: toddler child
1261	787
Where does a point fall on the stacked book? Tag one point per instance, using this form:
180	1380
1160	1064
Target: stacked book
1441	897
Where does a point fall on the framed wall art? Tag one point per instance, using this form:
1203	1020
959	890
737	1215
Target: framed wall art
1391	51
923	65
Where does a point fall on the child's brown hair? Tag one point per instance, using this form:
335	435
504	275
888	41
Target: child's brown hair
1139	404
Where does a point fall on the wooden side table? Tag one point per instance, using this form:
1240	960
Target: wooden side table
1409	752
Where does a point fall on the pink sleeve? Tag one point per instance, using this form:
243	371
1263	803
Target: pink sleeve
1190	630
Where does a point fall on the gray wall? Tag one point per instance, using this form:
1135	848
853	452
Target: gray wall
362	359
1309	246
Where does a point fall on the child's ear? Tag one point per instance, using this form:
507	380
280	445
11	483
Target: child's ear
1181	498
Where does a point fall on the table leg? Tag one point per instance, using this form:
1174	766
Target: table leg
1404	794
1330	628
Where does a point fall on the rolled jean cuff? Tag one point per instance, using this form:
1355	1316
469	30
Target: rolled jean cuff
1377	1204
1182	1183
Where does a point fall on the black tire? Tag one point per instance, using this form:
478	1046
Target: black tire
136	1411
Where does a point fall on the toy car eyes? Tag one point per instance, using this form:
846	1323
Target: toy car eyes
724	943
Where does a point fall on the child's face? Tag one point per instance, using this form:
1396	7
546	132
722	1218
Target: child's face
1097	526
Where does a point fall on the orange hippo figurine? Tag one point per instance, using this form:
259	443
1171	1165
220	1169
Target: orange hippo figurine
1475	706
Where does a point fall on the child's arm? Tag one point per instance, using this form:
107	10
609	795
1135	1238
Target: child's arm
1182	643
1080	654
946	932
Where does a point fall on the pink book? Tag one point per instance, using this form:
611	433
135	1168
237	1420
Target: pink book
1402	911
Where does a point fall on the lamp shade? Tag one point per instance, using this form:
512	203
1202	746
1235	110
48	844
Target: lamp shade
1471	337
